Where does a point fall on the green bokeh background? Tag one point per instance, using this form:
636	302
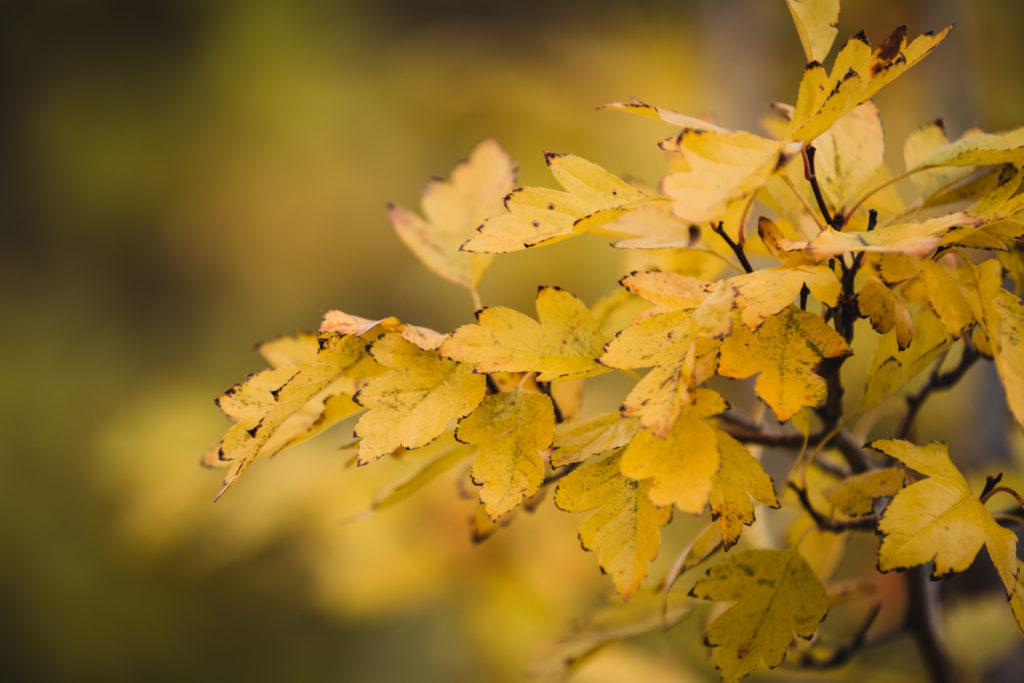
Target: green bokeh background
184	179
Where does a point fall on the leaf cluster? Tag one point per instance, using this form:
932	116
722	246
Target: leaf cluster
774	245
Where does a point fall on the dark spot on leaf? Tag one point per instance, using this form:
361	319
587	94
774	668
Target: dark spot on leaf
890	47
551	207
252	432
535	224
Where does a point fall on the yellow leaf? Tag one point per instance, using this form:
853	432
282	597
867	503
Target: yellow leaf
916	239
735	486
511	429
452	455
287	351
577	440
453	210
625	527
683	463
886	310
536	215
919	145
668	290
653	227
344	323
850	154
651	111
777	596
564	343
786	350
891	367
947	297
857	74
817	22
412	405
940	519
823	550
1017	600
766	292
1008	346
724	168
981	149
855	495
771	235
277	407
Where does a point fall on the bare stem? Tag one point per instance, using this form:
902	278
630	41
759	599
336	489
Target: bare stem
736	248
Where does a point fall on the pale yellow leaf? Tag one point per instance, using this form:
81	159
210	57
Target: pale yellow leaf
939	518
817	22
453	210
577	440
855	495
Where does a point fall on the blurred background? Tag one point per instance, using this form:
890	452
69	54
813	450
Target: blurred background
182	180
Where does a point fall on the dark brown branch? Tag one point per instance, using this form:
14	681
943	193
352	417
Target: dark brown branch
923	620
937	382
843	654
828	524
812	178
736	248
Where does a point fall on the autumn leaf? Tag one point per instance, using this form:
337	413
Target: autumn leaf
412	405
916	239
578	440
651	111
563	342
1006	330
269	407
886	310
777	596
978	149
537	215
947	297
512	430
922	143
858	72
625	526
817	22
453	210
1017	599
855	495
771	235
940	519
786	350
850	154
682	463
891	367
766	292
345	323
735	486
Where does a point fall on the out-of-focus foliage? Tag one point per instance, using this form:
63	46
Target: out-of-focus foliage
183	179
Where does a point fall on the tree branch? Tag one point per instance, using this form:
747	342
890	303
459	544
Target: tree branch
828	524
923	620
808	155
938	381
736	248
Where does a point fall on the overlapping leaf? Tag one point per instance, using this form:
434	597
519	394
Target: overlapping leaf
535	215
817	22
624	529
886	310
563	342
575	441
453	210
777	596
412	405
512	430
856	494
939	518
786	350
739	482
683	462
891	367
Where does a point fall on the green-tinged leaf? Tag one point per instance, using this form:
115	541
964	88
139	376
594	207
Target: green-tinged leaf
624	529
564	343
412	405
452	455
453	210
682	463
512	430
785	353
817	22
777	596
739	482
939	518
891	368
921	144
855	496
981	149
577	440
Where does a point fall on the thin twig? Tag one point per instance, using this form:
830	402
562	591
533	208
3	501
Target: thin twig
736	248
843	654
1003	489
937	382
828	524
808	155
